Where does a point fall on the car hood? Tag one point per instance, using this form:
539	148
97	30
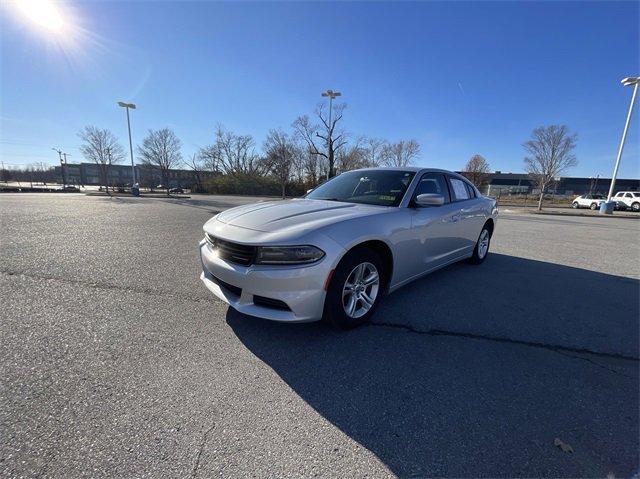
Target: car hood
298	215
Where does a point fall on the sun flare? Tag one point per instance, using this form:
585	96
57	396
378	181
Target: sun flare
43	13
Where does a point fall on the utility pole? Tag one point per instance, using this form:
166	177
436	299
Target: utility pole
65	166
107	168
64	179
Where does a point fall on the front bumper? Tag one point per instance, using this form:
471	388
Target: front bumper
301	288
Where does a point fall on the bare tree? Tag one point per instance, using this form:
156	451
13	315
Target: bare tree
232	153
352	157
280	153
477	170
161	149
100	146
401	153
312	166
550	152
373	149
323	139
210	157
196	164
299	158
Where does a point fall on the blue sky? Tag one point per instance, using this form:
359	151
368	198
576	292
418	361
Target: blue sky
461	78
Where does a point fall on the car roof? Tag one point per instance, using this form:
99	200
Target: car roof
389	168
414	169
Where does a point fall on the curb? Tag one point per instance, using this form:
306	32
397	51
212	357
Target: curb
129	195
580	215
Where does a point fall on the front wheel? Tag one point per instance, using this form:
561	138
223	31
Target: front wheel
355	289
575	205
635	206
482	246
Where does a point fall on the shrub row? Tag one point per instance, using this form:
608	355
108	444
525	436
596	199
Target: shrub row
243	184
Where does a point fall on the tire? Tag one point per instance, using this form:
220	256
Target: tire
481	251
575	205
594	206
344	309
635	206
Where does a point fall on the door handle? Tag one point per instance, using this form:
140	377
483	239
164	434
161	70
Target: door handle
455	217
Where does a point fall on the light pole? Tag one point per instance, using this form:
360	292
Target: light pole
133	168
65	166
331	94
64	179
608	208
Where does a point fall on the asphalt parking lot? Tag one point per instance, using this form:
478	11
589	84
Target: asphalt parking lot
117	362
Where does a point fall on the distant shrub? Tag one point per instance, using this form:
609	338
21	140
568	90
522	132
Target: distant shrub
243	184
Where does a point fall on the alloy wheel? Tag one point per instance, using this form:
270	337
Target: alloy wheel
360	290
483	244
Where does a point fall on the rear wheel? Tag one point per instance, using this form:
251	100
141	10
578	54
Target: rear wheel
635	206
482	246
355	289
594	206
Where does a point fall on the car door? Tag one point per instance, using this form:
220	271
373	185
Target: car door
628	199
434	228
471	213
474	213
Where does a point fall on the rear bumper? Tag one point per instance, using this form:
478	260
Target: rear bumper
301	288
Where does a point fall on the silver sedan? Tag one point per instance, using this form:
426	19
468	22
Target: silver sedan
334	253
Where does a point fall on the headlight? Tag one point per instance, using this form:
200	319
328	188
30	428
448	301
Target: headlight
288	254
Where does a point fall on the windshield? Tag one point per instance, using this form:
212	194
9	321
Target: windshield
372	187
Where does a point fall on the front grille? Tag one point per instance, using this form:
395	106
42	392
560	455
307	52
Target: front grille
270	303
233	252
231	288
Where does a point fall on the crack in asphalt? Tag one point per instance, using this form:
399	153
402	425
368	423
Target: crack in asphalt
592	362
429	332
205	436
501	339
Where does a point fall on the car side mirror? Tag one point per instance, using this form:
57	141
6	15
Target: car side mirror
429	199
309	190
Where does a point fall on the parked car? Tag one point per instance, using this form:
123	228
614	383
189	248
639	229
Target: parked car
588	201
627	200
176	190
334	253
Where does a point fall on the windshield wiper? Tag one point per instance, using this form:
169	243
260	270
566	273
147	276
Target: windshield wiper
328	199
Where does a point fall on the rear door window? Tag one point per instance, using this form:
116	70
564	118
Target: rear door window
459	189
472	192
